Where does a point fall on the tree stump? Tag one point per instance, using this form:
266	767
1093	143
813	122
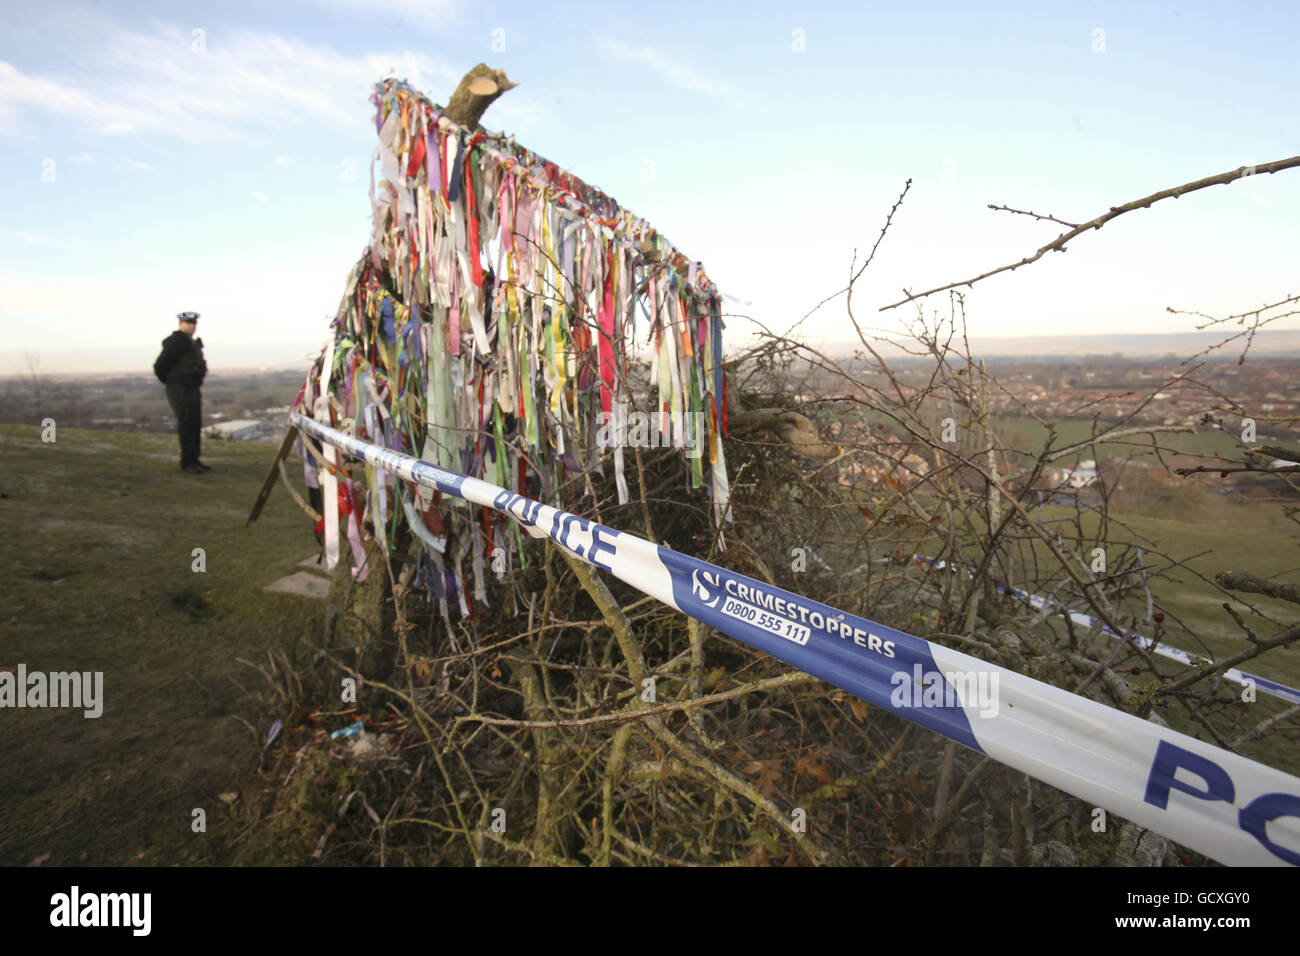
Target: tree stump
785	425
478	89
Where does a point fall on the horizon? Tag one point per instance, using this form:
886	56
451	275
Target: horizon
1268	343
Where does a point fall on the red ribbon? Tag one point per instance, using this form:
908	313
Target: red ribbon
417	155
471	214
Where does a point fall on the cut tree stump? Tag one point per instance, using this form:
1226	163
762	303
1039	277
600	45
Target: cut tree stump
478	89
789	426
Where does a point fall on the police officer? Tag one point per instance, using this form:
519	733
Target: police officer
181	367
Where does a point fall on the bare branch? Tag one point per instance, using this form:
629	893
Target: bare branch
1245	581
1058	244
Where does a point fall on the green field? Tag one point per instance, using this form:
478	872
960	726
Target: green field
1209	534
1026	434
98	577
1218	535
1022	434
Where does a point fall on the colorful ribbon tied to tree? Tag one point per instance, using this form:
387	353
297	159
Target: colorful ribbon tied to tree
489	329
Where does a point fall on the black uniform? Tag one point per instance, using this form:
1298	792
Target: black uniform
181	367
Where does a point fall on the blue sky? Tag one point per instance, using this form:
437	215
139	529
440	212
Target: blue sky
162	157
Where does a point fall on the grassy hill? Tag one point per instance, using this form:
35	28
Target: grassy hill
101	530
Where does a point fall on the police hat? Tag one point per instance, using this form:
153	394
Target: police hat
188	316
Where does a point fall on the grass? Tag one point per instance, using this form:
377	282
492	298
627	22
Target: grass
1211	534
1026	434
101	531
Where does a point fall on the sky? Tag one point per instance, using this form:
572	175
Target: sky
162	157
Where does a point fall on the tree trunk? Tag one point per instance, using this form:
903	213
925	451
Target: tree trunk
360	616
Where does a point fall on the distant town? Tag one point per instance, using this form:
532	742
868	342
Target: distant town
1077	394
241	406
1207	401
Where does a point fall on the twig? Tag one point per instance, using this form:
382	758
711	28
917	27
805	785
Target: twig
1058	244
1021	212
1288	636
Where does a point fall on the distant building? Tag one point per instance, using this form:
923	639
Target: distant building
1074	476
1081	477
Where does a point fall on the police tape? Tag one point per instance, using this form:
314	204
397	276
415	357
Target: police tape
1244	678
1232	809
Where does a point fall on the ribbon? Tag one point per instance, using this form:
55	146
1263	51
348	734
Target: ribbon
491	372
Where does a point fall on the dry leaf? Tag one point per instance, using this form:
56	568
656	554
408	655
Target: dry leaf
821	772
769	771
801	765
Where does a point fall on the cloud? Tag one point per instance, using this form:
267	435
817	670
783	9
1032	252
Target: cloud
282	160
18	89
260	197
34	240
127	165
426	14
81	158
676	72
153	81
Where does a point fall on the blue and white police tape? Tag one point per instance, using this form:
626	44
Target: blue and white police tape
1246	679
1232	809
